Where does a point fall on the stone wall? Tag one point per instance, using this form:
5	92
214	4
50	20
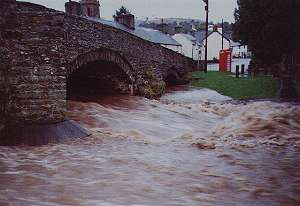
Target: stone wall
42	45
6	24
37	84
297	46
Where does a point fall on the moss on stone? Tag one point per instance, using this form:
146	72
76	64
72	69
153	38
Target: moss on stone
153	87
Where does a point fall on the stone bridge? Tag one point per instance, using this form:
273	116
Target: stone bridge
48	56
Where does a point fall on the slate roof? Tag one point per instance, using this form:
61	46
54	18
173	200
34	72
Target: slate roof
200	35
235	44
189	37
148	34
228	36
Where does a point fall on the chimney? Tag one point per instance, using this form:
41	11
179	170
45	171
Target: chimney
73	8
210	27
126	20
163	27
215	28
178	28
220	30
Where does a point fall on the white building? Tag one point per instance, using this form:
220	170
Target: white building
190	47
239	51
214	43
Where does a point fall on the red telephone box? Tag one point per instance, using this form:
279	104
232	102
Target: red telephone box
225	60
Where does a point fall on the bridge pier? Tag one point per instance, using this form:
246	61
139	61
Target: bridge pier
34	110
32	120
40	134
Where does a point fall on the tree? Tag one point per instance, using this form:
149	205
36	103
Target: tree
268	27
122	10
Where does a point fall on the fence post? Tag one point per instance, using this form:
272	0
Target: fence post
237	71
243	69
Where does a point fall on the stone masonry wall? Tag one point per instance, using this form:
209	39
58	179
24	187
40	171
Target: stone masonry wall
41	45
6	19
36	87
145	57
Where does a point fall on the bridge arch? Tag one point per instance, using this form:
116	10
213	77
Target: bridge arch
172	77
101	69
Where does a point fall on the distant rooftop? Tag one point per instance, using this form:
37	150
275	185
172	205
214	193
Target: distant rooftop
235	44
148	34
172	20
201	35
188	36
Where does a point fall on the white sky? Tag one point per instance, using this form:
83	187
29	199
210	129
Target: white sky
159	8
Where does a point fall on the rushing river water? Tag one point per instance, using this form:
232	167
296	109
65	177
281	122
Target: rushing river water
193	147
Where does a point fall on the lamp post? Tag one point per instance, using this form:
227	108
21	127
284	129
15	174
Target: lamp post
206	34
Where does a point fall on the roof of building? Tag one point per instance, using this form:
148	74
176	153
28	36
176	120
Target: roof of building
228	36
188	36
201	35
148	34
235	44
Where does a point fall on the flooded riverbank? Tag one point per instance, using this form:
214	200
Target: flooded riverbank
193	147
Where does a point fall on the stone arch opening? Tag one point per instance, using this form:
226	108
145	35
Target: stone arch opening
101	72
172	78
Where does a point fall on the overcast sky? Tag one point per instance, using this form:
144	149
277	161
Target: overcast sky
160	8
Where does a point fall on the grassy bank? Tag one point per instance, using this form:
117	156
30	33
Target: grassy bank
242	88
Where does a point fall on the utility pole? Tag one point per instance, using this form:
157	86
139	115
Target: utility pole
222	34
206	34
193	51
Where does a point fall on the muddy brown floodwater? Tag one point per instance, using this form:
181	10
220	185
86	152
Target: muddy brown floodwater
193	147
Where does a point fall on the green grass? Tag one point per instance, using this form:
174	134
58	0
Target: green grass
242	89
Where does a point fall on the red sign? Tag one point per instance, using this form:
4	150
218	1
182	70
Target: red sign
225	60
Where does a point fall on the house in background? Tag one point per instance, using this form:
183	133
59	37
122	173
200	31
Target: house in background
239	51
240	56
190	47
214	42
